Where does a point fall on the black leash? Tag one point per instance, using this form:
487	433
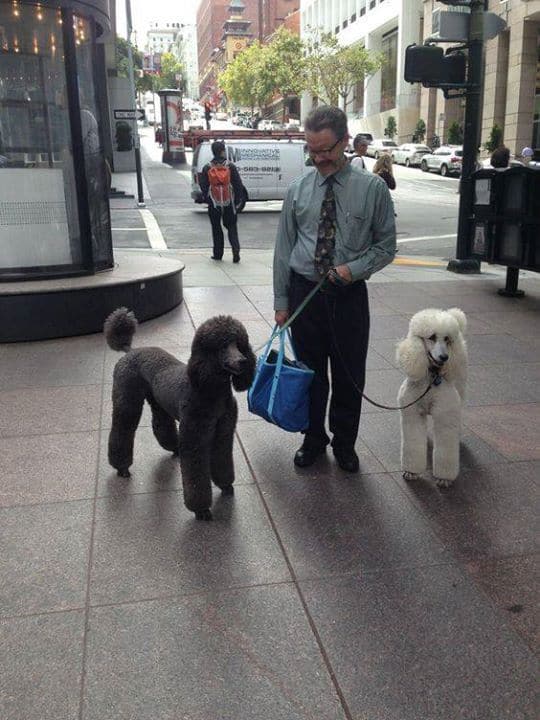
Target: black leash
436	379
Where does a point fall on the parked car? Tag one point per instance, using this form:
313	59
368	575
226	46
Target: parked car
221	115
378	147
445	160
292	124
269	125
410	154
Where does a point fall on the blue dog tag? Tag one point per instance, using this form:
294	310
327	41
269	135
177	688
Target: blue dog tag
438	380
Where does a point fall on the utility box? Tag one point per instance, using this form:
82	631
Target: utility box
505	227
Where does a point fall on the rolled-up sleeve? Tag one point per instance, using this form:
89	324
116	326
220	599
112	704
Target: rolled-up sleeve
382	249
286	237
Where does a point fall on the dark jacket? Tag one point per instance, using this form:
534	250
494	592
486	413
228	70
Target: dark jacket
236	182
388	179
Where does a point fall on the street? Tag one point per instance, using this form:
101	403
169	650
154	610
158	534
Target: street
426	207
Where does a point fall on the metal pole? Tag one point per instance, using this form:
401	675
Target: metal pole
471	140
138	167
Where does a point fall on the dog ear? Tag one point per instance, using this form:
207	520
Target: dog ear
412	357
244	381
202	370
460	318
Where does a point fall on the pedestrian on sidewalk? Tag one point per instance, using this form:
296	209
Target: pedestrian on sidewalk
500	158
207	114
360	145
222	189
337	221
383	168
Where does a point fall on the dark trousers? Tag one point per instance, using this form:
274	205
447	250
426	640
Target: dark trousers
228	216
340	317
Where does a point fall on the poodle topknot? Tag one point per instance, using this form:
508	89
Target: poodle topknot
197	396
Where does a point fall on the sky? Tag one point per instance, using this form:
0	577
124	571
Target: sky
144	12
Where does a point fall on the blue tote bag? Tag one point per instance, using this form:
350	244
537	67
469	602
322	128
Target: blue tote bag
280	390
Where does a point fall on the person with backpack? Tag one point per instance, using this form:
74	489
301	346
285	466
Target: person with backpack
222	189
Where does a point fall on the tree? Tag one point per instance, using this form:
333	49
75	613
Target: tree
391	128
170	68
455	134
419	133
495	139
243	80
332	71
142	81
284	67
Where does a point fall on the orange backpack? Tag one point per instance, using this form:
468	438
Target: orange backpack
220	191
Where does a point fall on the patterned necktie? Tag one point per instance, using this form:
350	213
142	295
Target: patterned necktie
326	235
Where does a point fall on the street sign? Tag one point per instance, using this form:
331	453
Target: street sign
453	25
493	25
137	114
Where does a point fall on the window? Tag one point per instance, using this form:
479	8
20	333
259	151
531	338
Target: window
389	71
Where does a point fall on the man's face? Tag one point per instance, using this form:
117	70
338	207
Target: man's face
326	150
361	149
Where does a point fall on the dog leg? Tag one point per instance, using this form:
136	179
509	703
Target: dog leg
194	448
221	451
163	427
128	400
413	443
446	432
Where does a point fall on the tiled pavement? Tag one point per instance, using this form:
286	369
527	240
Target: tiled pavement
313	594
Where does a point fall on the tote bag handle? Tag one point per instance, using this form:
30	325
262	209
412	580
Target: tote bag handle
279	363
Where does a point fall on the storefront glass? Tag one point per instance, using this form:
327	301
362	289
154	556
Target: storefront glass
50	222
96	178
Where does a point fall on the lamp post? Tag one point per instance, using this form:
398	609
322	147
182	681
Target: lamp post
137	141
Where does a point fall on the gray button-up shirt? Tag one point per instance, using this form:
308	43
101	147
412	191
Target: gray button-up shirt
365	232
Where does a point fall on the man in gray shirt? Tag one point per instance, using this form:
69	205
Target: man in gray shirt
337	221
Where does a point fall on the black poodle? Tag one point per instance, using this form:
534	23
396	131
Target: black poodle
197	395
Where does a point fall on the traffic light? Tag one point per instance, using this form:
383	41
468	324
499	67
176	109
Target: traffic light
427	64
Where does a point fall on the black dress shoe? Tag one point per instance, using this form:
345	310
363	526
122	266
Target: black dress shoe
236	258
306	456
347	460
213	257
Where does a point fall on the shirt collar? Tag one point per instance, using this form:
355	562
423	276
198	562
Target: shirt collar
339	177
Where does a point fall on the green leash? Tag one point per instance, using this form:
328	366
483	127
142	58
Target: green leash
297	312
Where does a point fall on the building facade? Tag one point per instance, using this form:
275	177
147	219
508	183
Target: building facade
275	13
186	51
384	26
162	38
511	96
211	16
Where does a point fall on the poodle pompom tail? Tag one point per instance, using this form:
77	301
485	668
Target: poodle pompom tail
119	329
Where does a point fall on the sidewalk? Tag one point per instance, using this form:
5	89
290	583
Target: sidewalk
312	594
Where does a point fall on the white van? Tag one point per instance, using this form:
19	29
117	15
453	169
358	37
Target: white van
267	167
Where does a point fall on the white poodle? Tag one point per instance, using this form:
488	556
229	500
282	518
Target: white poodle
433	353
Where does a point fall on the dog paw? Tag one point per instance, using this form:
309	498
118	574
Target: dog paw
123	473
203	515
444	484
229	490
410	476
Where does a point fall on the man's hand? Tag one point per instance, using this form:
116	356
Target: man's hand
281	317
343	272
